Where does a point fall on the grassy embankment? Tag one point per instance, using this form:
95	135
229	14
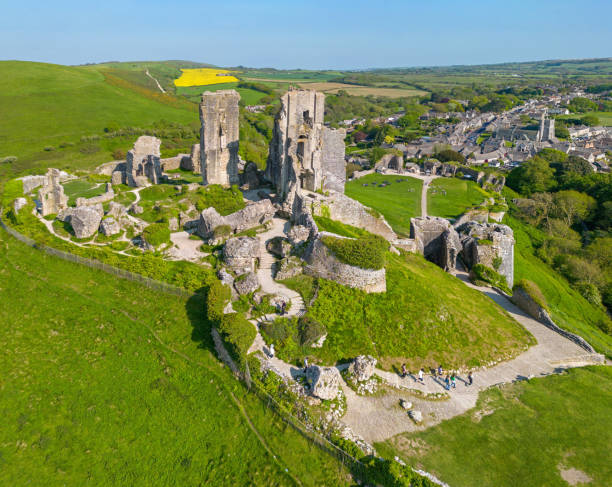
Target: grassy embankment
522	434
397	202
456	326
107	382
461	195
567	307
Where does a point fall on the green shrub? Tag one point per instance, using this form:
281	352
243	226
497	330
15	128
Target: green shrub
309	331
590	292
393	474
483	273
367	252
157	234
8	159
217	298
534	292
238	333
222	231
339	228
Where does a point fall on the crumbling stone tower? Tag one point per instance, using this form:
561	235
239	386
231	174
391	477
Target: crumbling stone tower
219	136
304	154
142	164
51	195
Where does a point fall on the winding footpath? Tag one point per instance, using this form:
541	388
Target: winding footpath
378	418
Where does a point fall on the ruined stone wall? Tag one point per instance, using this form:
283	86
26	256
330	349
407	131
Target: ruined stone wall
483	243
252	215
103	198
334	172
172	163
346	210
193	162
219	137
437	240
322	263
51	195
143	165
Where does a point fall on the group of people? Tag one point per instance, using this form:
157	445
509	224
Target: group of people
450	380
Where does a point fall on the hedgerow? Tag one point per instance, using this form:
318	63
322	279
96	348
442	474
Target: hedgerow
238	333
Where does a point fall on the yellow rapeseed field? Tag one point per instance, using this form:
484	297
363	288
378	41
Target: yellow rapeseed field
204	76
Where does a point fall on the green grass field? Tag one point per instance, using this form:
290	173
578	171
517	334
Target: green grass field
523	434
247	96
567	307
80	188
105	382
398	202
455	326
605	118
47	106
461	195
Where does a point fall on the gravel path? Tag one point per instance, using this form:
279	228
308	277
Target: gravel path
377	418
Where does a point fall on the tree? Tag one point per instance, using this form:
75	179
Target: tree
448	155
572	205
581	105
561	131
534	176
576	165
590	120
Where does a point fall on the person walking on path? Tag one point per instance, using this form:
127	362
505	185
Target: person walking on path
470	379
421	376
447	382
271	350
404	371
440	370
454	381
305	364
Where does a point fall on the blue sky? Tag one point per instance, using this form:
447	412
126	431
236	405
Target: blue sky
306	34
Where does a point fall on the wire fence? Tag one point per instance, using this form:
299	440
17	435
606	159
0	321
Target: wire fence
95	264
354	465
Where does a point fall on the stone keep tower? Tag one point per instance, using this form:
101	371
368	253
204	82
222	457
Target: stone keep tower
51	195
219	137
304	154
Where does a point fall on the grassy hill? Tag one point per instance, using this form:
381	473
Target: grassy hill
398	202
522	434
456	326
109	383
47	109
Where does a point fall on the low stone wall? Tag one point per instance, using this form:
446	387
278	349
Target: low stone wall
103	198
322	263
360	174
109	168
527	304
172	163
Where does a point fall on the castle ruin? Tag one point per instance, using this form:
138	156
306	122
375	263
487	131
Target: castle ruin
142	164
51	195
304	154
219	136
